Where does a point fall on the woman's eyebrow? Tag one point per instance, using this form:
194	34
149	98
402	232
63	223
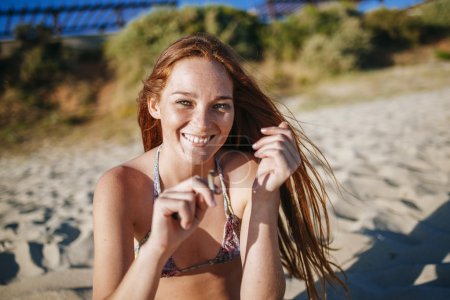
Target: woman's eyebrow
184	94
224	98
194	95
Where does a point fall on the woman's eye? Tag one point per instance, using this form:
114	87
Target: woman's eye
184	102
222	106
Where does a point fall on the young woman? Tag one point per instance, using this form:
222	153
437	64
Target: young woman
199	111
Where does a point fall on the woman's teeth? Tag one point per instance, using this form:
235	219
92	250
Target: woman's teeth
196	139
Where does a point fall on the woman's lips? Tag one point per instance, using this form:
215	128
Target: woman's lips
197	140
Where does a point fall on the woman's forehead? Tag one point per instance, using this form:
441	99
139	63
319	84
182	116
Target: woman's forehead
191	73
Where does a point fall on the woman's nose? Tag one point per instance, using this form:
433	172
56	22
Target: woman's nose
202	118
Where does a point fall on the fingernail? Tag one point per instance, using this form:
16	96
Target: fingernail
263	129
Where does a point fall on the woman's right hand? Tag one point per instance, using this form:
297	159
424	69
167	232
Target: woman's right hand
188	201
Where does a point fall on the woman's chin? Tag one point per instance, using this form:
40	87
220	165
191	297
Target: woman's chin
198	157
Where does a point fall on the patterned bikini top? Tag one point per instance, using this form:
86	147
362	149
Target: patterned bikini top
230	247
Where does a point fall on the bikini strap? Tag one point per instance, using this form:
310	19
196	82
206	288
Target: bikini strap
226	202
156	180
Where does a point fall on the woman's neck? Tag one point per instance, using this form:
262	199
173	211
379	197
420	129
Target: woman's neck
173	171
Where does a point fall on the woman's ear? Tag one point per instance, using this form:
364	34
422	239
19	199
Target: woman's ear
153	108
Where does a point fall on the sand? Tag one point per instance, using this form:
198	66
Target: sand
391	227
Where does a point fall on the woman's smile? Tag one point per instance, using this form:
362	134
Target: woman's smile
198	140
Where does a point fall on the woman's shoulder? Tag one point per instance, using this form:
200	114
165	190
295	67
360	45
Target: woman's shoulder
124	195
131	172
126	183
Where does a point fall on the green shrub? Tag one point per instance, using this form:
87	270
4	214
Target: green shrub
284	39
138	45
345	50
36	66
134	50
435	16
326	19
436	13
237	28
393	28
442	54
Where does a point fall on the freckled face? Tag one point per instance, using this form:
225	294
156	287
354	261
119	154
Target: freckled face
196	109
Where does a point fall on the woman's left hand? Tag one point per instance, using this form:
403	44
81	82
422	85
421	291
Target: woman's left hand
278	154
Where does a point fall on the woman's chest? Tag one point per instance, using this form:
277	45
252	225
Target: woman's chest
220	281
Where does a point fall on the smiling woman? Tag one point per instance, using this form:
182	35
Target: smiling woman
199	111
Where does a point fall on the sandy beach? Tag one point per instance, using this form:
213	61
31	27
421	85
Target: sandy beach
391	227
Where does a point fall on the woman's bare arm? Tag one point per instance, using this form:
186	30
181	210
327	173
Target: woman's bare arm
262	273
116	274
278	160
262	276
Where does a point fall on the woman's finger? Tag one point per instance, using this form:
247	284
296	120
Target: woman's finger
284	124
199	186
281	133
200	210
282	159
269	139
273	150
185	209
278	140
283	148
178	195
286	134
283	128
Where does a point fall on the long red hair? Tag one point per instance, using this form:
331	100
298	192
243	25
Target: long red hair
303	227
